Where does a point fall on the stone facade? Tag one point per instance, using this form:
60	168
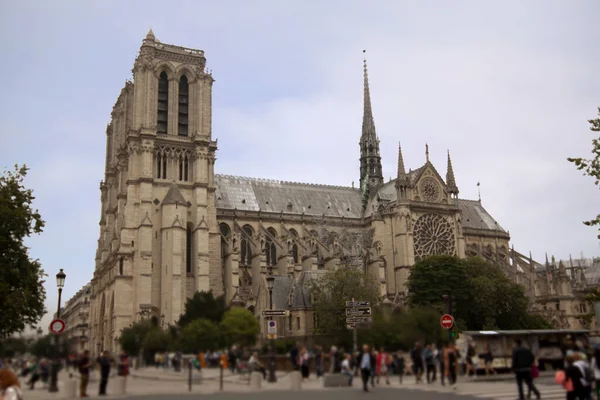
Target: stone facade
170	226
76	314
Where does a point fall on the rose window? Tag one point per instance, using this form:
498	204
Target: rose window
433	235
430	190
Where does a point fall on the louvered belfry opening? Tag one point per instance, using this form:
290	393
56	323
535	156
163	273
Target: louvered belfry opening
163	103
182	126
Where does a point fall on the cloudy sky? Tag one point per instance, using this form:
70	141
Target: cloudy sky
507	86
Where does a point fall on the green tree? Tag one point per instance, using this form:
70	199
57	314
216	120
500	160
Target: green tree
203	305
591	166
239	326
501	303
132	338
13	346
200	335
43	347
22	291
333	289
155	341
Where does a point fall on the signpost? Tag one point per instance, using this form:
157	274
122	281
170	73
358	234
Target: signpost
274	313
272	329
57	326
447	321
357	312
360	311
351	304
358	320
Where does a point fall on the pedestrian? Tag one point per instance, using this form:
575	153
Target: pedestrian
488	359
84	371
469	365
400	365
382	366
440	357
104	362
429	363
347	369
451	363
416	357
596	370
123	366
294	354
319	361
522	362
10	388
587	379
303	361
366	363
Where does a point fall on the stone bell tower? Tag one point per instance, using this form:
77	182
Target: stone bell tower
159	238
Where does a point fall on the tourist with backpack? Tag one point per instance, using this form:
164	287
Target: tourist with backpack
596	370
587	376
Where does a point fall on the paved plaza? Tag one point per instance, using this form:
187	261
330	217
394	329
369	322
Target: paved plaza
151	383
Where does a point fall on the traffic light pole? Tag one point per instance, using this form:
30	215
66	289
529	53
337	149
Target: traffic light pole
449	312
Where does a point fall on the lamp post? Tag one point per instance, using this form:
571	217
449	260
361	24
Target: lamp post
270	283
60	283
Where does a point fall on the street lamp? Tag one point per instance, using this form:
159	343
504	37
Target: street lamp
270	283
60	283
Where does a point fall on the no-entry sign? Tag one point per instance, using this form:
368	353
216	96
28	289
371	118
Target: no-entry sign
447	321
57	326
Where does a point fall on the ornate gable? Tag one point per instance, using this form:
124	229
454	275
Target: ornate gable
429	186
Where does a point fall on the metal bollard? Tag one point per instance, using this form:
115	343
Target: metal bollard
221	376
190	366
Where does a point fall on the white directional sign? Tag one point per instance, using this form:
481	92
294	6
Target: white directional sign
351	304
358	320
357	312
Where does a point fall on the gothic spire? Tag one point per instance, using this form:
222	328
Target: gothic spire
401	178
450	181
368	127
371	173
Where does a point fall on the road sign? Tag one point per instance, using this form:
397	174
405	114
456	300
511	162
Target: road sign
350	326
274	313
57	326
351	312
357	320
272	336
447	321
272	327
351	304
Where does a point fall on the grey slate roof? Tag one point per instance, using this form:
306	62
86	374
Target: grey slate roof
284	288
174	196
281	290
253	194
474	216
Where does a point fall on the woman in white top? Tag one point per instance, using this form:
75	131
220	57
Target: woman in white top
10	388
596	368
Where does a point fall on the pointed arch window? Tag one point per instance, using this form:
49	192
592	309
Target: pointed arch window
225	231
270	249
188	249
246	248
295	253
182	120
184	168
163	103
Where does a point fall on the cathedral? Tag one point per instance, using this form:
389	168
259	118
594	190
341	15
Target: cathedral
171	226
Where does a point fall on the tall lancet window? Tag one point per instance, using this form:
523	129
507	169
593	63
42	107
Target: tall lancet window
163	103
188	250
183	106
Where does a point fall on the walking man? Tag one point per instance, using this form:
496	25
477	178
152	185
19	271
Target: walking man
84	371
104	361
366	363
522	363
